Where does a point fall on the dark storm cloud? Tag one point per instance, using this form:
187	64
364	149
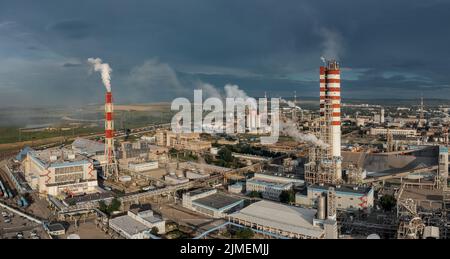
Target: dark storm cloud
157	48
71	29
68	64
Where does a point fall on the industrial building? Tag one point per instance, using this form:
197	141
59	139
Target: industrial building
211	203
137	224
88	147
142	167
59	172
271	186
325	161
350	198
395	132
187	141
276	218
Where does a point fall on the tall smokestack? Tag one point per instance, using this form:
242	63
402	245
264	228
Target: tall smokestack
109	129
330	111
325	164
105	70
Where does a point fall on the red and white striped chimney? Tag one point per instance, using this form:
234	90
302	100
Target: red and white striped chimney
330	112
109	130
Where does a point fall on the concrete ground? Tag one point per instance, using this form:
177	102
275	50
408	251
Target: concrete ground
86	230
197	222
427	199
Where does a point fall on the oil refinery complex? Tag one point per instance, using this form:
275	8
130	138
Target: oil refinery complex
359	171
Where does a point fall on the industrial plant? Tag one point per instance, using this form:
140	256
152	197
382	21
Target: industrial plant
339	171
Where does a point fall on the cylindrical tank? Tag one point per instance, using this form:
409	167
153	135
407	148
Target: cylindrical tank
321	208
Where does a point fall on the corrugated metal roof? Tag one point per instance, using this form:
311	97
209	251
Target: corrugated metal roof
279	216
128	225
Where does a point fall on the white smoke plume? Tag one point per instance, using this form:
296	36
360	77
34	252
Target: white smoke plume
233	91
290	103
332	44
230	91
104	69
211	91
289	128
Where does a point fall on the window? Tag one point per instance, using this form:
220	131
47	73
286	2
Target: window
70	169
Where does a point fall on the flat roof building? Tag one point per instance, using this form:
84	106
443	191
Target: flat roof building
137	224
350	198
211	203
271	186
280	219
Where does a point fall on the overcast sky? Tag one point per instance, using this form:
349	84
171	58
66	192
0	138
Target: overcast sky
163	49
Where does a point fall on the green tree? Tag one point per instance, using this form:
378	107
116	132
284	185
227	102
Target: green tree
287	196
245	233
387	202
255	194
154	231
225	154
102	206
208	158
114	205
173	151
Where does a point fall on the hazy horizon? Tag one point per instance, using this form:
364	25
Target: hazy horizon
160	50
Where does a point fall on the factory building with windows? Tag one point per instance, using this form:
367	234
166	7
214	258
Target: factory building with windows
271	186
349	198
60	172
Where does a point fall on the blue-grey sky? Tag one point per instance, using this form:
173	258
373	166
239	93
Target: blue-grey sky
163	49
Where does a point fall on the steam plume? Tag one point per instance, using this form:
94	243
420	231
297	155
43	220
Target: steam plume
233	91
332	44
290	103
104	69
289	128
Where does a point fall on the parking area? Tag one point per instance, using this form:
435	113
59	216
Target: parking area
13	226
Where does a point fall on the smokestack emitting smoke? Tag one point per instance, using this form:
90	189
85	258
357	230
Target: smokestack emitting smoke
104	69
291	130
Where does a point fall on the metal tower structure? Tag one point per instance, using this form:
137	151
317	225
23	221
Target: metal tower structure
325	162
421	117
